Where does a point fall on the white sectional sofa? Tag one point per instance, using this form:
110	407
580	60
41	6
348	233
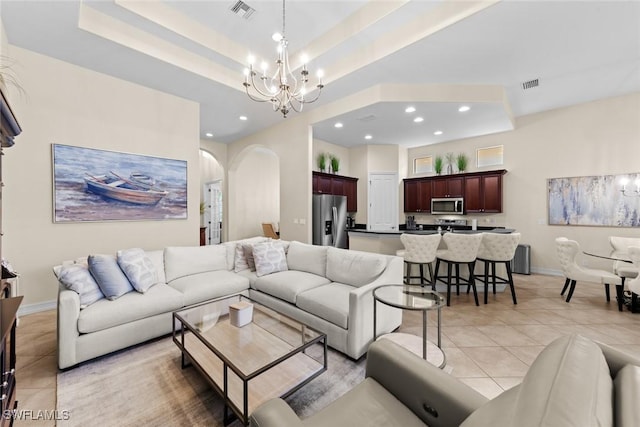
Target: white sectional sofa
327	288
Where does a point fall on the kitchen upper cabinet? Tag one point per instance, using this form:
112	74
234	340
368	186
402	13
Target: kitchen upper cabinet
483	193
448	187
325	183
417	195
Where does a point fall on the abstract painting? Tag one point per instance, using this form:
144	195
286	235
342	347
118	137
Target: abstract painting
99	185
595	200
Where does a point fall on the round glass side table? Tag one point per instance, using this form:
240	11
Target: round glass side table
415	298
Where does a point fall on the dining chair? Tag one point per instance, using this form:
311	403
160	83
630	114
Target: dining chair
497	248
634	283
573	272
620	249
268	230
461	250
419	249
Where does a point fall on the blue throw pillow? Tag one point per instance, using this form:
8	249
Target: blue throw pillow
112	281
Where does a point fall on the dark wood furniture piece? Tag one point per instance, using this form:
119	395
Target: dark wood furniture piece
8	311
482	191
9	129
338	185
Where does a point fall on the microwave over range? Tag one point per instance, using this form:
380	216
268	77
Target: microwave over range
449	205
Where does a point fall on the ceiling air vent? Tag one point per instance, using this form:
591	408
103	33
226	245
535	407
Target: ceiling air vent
242	9
530	84
368	118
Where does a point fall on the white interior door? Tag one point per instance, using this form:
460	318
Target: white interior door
383	201
213	212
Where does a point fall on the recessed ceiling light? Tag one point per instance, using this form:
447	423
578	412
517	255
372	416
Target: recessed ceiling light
410	109
368	137
418	119
243	118
438	132
338	125
209	135
464	108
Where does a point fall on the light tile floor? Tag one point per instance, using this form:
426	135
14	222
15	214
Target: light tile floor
488	347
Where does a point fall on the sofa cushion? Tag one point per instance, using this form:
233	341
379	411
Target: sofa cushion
77	277
138	268
329	302
130	307
112	281
287	285
157	258
627	392
569	384
354	267
269	257
209	285
368	403
308	258
181	261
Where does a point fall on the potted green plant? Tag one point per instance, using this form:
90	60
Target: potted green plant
461	161
321	161
450	158
437	164
335	163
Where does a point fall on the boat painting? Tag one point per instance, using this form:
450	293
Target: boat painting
117	188
100	185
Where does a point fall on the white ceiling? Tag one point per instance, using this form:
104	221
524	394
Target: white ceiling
443	53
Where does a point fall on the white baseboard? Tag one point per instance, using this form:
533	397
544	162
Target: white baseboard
36	308
547	271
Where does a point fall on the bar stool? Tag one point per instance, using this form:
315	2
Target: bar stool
498	248
461	249
419	249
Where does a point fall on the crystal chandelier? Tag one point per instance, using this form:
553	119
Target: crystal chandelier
282	89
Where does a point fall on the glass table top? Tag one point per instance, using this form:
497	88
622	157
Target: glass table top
409	297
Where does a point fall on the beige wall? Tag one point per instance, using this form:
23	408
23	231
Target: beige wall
66	104
254	183
343	153
596	138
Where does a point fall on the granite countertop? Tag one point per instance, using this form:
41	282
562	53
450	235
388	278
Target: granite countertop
432	228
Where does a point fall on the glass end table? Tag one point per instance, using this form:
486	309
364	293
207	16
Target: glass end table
414	298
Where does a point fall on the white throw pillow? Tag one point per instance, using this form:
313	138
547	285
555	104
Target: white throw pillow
76	277
138	268
269	258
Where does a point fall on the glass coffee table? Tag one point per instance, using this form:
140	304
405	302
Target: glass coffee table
272	356
415	298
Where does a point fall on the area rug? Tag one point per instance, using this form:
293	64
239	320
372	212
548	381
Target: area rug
145	386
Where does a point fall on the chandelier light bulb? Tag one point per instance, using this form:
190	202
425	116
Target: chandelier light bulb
264	66
276	37
320	74
251	59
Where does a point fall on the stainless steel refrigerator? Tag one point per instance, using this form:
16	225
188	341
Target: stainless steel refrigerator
330	220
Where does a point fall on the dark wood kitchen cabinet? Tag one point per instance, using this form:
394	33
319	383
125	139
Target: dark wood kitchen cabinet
339	185
417	195
448	187
482	191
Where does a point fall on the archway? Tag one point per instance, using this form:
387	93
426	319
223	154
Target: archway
211	198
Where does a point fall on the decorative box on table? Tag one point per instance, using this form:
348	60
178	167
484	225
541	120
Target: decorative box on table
240	313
